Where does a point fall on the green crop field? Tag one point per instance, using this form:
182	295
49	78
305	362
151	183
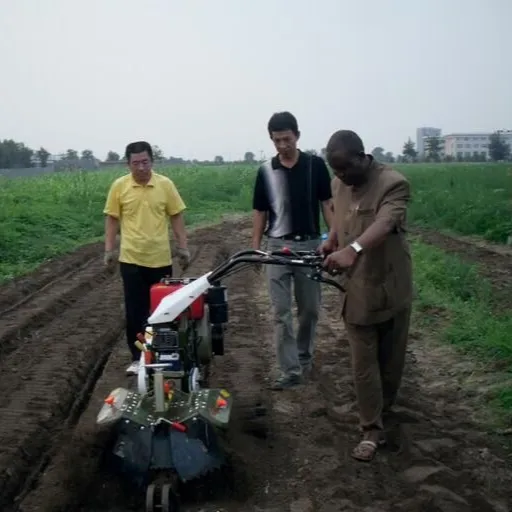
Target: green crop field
470	199
45	216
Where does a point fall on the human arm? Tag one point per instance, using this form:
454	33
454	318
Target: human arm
112	211
389	217
260	207
331	244
175	207
111	230
325	192
259	221
328	212
179	230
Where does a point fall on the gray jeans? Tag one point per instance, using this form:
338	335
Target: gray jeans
293	354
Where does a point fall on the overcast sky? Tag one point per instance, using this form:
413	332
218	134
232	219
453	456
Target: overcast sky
200	78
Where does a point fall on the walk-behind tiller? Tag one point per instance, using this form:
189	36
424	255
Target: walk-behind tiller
166	431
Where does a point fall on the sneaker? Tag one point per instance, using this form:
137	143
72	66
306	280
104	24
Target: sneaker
133	369
286	382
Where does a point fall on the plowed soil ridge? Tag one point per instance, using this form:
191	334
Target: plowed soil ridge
296	458
40	384
436	457
72	349
20	288
240	369
32	313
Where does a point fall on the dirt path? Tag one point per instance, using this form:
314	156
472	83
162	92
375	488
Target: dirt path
297	460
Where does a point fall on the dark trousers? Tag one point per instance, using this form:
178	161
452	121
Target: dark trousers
137	281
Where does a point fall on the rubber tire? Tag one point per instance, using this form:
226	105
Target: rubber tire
170	501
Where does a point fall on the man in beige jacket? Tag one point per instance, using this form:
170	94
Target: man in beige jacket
368	243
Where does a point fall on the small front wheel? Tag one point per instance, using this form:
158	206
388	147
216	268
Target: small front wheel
170	501
151	498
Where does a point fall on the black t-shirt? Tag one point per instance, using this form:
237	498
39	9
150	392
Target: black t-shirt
292	196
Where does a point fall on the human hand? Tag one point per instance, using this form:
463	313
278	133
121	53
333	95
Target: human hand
326	247
183	255
109	259
341	259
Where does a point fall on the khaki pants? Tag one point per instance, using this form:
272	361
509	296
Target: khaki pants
378	356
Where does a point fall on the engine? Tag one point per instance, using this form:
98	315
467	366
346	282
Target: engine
191	340
167	349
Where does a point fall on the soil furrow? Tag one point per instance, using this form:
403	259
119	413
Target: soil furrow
57	344
295	458
45	289
425	461
43	384
86	438
20	287
45	304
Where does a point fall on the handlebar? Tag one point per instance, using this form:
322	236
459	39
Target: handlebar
309	259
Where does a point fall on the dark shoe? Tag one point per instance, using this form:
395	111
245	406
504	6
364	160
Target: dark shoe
306	371
286	382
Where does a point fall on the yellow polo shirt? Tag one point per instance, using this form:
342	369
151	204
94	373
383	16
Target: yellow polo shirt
143	212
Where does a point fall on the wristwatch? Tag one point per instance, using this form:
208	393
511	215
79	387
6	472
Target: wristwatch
357	247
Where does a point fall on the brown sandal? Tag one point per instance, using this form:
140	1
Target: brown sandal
365	450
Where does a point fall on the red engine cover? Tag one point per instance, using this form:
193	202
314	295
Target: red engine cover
160	290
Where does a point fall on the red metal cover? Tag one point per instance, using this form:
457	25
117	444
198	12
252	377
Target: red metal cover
160	290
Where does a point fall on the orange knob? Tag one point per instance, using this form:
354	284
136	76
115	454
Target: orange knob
221	403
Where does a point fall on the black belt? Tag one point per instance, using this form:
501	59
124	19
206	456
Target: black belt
297	237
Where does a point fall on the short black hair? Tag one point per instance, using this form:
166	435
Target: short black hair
138	147
345	140
282	121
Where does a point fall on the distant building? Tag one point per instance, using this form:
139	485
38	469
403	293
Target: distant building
459	145
422	134
466	145
36	161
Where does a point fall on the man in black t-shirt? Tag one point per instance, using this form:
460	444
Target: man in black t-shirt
289	191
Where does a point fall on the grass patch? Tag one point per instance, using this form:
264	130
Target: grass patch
470	199
46	216
467	320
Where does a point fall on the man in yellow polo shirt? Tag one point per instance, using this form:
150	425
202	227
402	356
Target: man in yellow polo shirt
139	205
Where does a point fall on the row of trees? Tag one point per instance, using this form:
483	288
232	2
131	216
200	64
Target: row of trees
15	155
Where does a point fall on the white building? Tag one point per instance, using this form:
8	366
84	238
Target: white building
459	145
466	145
422	134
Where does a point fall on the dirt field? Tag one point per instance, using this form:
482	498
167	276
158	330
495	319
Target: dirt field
62	350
